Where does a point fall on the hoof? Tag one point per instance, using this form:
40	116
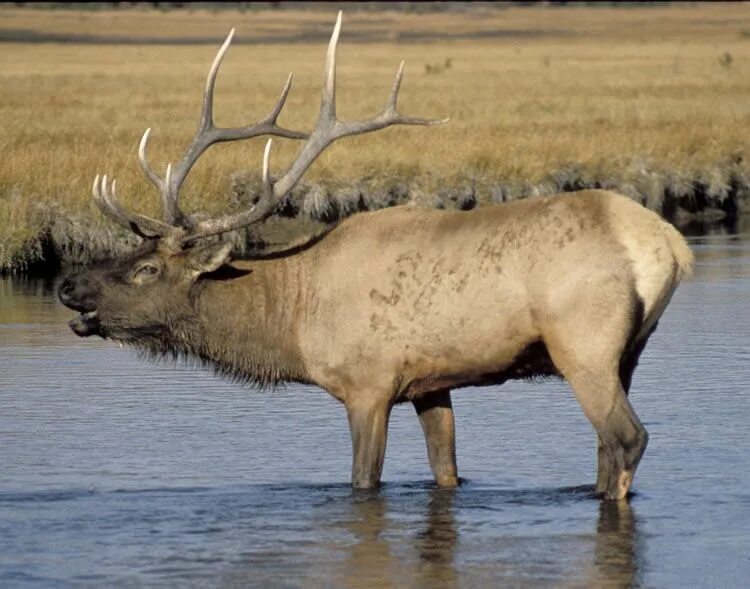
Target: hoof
365	485
448	481
620	489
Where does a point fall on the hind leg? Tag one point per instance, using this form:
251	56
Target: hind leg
628	364
586	333
605	462
622	436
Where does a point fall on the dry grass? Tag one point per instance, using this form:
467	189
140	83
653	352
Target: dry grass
614	91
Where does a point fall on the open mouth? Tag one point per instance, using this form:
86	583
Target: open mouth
86	324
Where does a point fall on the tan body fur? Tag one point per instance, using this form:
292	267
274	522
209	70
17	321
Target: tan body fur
404	303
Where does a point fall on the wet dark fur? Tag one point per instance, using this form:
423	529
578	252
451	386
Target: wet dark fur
178	333
257	362
259	373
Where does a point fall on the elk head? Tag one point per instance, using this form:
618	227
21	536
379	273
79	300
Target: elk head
148	294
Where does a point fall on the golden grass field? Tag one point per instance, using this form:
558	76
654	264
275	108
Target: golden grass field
529	91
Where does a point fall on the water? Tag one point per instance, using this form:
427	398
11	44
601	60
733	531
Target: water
119	472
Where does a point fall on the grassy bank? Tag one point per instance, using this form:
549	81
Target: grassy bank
653	102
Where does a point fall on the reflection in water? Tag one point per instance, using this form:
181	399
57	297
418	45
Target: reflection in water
438	539
374	560
370	559
379	557
617	552
436	542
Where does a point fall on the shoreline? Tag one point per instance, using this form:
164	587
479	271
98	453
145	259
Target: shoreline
692	204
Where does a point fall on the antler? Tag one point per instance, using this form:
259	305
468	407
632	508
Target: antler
206	135
175	221
327	130
180	228
105	197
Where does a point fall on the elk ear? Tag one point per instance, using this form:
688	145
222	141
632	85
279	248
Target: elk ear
207	258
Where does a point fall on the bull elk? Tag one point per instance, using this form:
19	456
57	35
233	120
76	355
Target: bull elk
399	305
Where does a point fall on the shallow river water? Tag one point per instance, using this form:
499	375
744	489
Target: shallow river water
115	471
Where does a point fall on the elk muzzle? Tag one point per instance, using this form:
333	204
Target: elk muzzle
76	292
85	324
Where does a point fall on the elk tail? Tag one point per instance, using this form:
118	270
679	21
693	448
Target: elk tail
681	251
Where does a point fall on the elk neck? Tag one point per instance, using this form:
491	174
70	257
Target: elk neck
247	321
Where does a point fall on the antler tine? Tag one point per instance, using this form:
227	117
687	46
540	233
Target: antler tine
106	199
274	114
267	186
150	174
328	97
207	112
393	99
391	113
169	205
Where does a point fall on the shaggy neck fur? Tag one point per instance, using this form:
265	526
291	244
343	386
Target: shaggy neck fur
244	326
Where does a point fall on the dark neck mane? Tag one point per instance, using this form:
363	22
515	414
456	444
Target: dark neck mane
239	326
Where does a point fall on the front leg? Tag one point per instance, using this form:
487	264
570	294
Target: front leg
435	412
368	423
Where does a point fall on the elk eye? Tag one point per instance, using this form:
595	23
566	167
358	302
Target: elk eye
146	270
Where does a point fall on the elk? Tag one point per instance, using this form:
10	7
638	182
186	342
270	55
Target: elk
399	305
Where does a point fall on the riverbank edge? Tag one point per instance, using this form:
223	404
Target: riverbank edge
689	201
